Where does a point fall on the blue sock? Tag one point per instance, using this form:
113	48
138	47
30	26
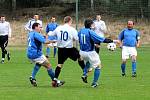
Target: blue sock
51	73
55	51
133	66
123	67
85	70
35	70
47	51
96	75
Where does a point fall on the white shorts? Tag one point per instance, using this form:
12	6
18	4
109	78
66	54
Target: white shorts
127	52
52	45
92	57
39	60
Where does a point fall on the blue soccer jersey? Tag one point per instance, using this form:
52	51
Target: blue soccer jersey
35	41
87	39
51	27
129	37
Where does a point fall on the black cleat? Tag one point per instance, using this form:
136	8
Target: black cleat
2	61
47	56
60	83
94	85
134	74
123	74
8	56
57	83
84	79
33	81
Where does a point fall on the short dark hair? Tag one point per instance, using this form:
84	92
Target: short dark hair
2	16
67	19
88	23
35	25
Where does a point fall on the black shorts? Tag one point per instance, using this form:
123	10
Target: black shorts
64	53
3	41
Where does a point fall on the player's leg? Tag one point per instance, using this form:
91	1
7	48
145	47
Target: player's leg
4	43
55	82
85	72
34	72
47	51
96	63
123	67
62	57
55	51
133	53
74	55
125	56
97	47
133	66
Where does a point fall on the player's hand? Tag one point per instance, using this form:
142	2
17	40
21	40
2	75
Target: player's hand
116	41
97	45
137	45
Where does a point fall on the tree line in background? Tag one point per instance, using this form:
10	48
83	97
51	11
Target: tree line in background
128	8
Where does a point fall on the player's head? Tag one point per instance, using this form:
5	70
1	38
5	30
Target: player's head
130	24
37	27
68	20
53	19
88	23
2	18
98	17
36	16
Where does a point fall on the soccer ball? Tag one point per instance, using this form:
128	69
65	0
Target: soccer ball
111	46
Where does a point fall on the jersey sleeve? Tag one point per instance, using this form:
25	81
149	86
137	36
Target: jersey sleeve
137	35
39	37
75	35
121	35
47	29
96	38
28	26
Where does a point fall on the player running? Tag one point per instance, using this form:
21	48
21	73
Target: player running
34	53
87	39
66	34
129	40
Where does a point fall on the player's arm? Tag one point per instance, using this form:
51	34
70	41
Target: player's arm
138	39
98	39
120	38
42	39
28	25
9	29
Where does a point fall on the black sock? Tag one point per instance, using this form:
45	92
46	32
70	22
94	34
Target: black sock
57	71
81	63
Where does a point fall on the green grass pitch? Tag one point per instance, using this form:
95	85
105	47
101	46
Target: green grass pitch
15	85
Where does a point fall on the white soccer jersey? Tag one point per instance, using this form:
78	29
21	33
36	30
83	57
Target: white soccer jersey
5	29
28	26
65	36
100	27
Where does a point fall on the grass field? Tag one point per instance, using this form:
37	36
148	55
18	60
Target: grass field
15	85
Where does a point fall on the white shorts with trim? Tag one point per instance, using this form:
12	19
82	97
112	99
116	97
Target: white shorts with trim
92	57
127	52
39	60
52	45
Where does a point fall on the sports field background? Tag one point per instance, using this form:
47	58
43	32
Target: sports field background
15	85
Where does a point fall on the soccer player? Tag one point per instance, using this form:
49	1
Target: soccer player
87	39
50	28
100	29
5	33
35	19
34	53
129	39
66	34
